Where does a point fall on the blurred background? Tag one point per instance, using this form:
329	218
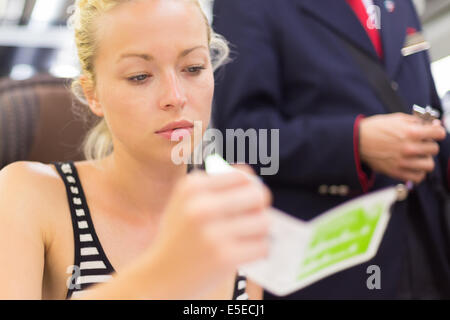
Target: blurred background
37	57
34	38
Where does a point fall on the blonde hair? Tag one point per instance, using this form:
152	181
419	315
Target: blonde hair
98	141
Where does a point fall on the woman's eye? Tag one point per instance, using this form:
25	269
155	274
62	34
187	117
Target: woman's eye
139	78
195	69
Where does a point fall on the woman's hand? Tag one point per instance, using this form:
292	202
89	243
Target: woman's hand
212	225
400	145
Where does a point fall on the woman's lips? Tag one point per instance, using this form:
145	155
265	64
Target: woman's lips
176	129
176	133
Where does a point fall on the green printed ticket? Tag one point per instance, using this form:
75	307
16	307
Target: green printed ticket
336	239
302	253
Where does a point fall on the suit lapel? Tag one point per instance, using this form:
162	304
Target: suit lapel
393	35
340	18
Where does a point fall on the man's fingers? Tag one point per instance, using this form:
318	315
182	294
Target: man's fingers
425	164
420	132
420	149
415	176
405	117
409	175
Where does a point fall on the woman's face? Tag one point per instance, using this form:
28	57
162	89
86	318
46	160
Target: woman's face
152	68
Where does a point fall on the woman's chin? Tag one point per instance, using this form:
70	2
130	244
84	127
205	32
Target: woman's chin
175	156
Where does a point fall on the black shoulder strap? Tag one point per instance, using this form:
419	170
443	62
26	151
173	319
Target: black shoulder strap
378	79
91	265
240	286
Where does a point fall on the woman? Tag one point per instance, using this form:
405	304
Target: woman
159	233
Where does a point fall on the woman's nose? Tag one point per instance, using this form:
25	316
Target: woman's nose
172	92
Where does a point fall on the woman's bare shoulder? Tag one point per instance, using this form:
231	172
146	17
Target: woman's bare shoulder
30	194
26	186
27	176
31	197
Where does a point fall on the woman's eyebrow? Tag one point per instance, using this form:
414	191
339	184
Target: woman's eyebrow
148	57
187	51
136	55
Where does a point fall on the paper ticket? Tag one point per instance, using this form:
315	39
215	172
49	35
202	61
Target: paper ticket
302	253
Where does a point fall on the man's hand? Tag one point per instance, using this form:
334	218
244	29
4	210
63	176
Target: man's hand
400	145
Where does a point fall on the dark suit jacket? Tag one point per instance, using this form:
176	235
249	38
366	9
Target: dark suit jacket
291	71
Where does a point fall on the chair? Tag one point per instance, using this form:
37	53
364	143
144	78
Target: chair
37	122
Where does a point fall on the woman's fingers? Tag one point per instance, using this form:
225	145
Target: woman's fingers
251	197
245	168
252	225
251	250
200	181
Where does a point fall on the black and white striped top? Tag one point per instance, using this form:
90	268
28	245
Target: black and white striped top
91	265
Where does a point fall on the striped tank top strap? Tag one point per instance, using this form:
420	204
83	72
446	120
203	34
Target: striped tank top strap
90	262
240	287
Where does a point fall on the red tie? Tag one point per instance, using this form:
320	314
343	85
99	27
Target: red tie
360	10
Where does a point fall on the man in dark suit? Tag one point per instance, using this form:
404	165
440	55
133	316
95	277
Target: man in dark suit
293	71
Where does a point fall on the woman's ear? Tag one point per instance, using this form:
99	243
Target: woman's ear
91	95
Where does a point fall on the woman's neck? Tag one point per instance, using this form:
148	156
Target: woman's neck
145	185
